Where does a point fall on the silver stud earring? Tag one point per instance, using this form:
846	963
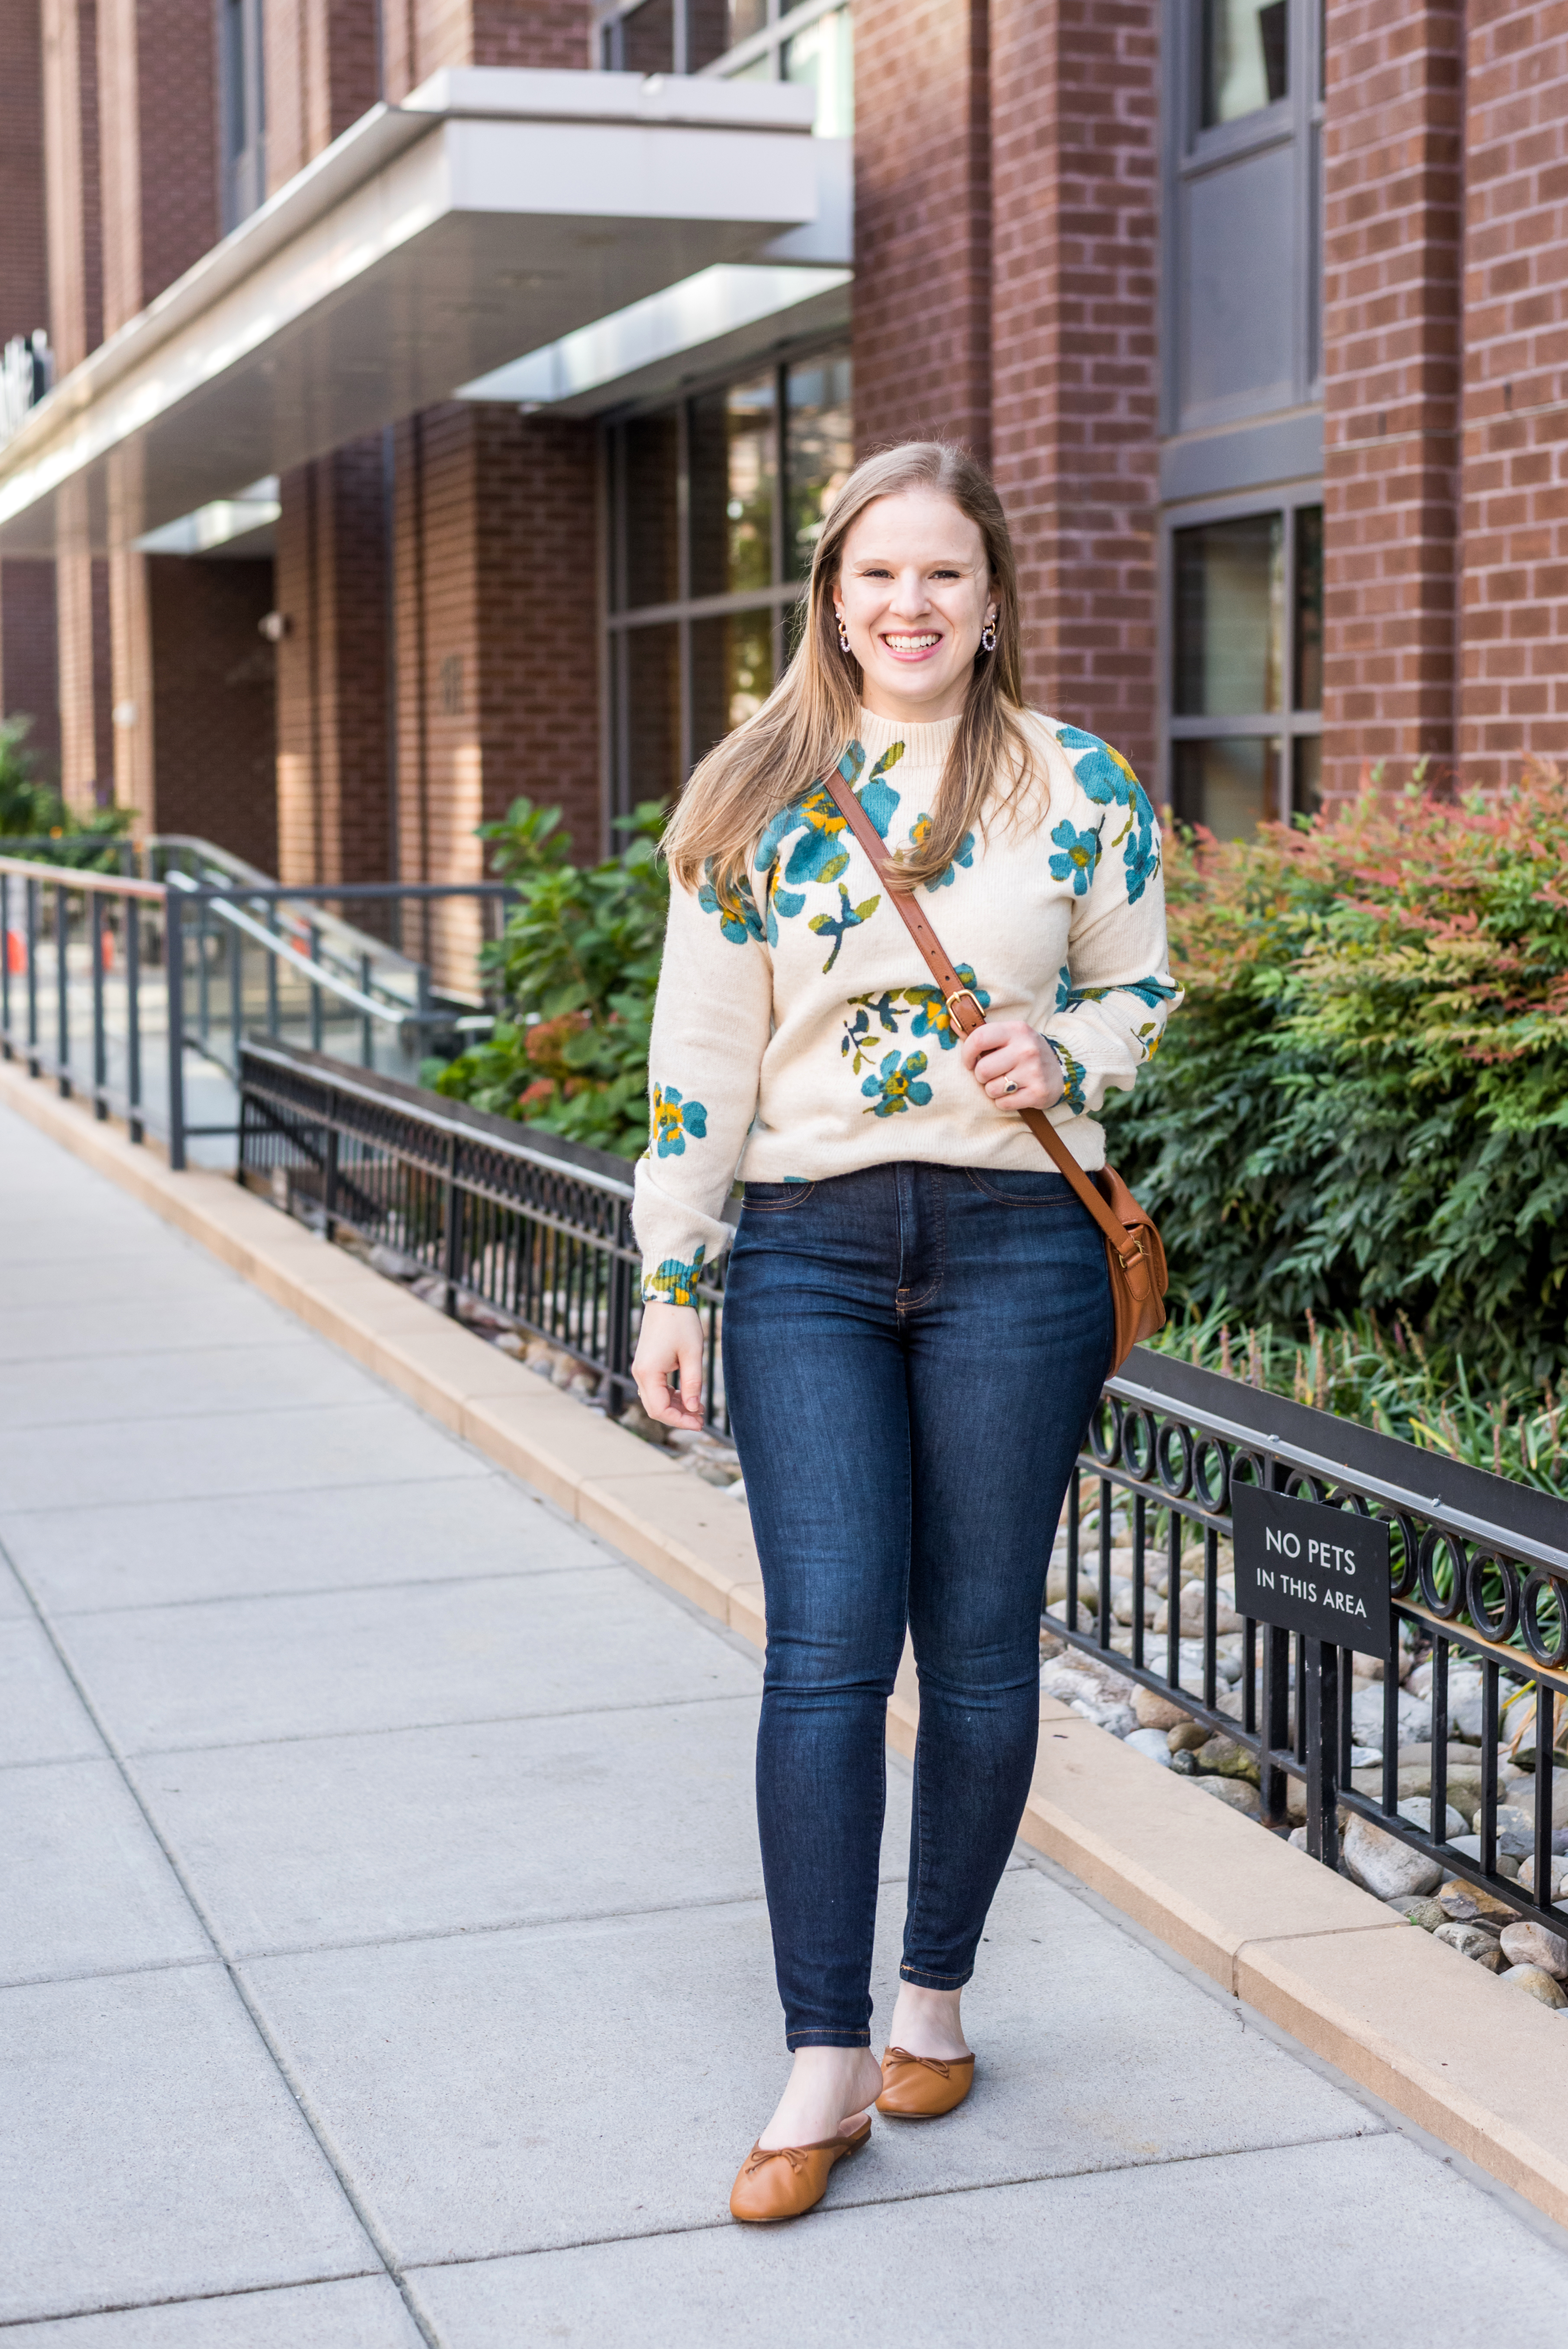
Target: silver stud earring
843	635
988	633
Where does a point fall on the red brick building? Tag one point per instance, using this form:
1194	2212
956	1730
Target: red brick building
445	395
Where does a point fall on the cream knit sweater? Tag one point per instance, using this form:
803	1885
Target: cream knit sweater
798	1034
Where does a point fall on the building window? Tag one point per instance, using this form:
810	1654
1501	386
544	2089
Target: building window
243	107
1246	678
715	507
742	40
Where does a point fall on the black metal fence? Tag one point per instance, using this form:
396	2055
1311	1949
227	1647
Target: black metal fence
539	1230
536	1229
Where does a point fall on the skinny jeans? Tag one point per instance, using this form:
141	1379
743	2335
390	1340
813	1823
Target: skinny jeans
912	1353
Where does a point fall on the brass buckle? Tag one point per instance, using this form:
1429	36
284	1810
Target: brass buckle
957	997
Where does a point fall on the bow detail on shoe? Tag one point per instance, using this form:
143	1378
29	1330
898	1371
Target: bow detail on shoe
760	2156
944	2071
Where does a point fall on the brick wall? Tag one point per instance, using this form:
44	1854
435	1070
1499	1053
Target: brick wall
334	820
28	658
212	692
420	36
1075	394
157	145
320	75
86	738
72	179
497	640
1391	323
922	317
24	279
1514	693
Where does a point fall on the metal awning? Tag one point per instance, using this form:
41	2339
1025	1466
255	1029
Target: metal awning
496	210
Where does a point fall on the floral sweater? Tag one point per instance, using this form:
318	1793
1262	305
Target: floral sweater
798	1034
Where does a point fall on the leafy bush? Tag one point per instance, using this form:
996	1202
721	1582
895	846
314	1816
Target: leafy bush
575	968
32	812
1363	1103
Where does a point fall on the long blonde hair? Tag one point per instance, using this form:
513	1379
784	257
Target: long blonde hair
802	728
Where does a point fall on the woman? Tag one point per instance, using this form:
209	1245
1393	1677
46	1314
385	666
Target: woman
917	1316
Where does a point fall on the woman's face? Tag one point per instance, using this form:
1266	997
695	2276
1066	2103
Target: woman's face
914	594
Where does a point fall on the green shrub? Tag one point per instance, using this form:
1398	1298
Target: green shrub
33	813
576	970
1364	1102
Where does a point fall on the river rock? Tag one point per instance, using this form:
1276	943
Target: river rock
1471	1941
1189	1736
1234	1792
1150	1742
1527	1944
1156	1712
1380	1864
1536	1982
1558	1877
1415	1717
1467	1904
1222	1757
1425	1913
1418	1811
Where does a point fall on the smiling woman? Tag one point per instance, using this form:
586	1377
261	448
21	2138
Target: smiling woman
908	1282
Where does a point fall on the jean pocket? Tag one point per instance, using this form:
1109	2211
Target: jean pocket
1016	1189
774	1198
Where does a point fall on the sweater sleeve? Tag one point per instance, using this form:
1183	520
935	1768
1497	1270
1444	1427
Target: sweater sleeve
712	1019
1115	991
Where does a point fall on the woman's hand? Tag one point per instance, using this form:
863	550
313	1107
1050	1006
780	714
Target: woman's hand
1009	1051
670	1340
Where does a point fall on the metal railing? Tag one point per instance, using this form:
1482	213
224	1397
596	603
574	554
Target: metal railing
1167	1445
535	1228
109	982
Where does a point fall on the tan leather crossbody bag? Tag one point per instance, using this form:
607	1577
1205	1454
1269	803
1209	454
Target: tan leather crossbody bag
1133	1253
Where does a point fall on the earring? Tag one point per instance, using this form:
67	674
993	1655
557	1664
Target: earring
843	635
988	633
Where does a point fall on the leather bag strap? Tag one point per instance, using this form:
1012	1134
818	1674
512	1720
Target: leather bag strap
963	1010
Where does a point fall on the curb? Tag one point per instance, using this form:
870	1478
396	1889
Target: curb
1395	2011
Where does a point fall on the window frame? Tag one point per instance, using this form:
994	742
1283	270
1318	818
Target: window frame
1282	727
617	622
783	23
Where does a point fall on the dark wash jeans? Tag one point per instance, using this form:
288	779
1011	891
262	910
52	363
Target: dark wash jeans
910	1356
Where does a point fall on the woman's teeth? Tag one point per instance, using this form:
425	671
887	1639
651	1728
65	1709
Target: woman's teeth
912	644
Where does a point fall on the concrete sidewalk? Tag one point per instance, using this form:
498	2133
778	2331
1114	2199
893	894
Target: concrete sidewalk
383	1949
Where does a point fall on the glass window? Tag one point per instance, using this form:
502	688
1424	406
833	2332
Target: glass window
759	70
731	673
1245	48
824	55
652	462
709	32
648	38
1305	790
734	473
1230	612
1309	607
651	717
1231	785
745	17
820	451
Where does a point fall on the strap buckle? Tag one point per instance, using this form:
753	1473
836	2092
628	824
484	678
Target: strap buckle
958	996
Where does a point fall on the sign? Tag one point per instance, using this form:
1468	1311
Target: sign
1312	1569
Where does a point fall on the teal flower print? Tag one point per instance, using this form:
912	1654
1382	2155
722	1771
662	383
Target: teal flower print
673	1283
820	854
1063	983
1074	1075
734	906
933	1017
1152	991
848	917
919	832
1080	855
1109	782
858	1038
673	1118
897	1084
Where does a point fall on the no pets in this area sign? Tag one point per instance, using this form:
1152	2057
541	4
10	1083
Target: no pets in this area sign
1312	1569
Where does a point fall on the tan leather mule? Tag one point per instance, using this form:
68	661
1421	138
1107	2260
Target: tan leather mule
787	2179
923	2087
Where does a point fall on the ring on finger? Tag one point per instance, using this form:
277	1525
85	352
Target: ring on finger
1011	1085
